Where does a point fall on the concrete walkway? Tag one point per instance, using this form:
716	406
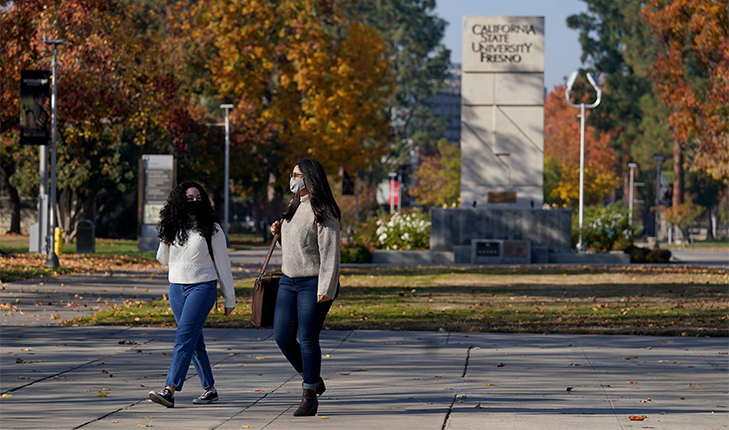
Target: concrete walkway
99	377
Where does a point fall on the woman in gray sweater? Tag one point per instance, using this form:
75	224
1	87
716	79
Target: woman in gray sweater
310	265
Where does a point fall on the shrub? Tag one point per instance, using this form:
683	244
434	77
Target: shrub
658	256
403	231
603	227
645	255
354	253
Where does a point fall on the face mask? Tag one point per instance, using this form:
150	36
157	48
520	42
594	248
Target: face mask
296	185
194	207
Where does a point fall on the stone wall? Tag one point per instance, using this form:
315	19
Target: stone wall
543	228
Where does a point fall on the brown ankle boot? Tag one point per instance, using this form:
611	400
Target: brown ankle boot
309	404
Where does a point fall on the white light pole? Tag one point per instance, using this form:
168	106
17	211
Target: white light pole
630	194
658	159
580	243
52	258
227	107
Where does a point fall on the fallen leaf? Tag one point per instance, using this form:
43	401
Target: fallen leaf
326	356
361	370
261	358
322	417
260	389
569	389
345	374
489	385
5	396
500	365
637	417
246	427
575	364
478	406
102	394
18	360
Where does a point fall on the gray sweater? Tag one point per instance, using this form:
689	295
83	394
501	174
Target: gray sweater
310	249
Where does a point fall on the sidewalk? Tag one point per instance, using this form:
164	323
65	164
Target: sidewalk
98	378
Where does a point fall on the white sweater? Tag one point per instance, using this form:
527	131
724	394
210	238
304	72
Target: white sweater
191	263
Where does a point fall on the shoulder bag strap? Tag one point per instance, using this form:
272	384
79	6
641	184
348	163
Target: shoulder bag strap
268	256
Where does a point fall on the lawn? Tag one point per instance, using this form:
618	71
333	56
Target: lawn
645	300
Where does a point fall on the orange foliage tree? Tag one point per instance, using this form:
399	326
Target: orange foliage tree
691	71
562	155
313	81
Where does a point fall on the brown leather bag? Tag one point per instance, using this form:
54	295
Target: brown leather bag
265	290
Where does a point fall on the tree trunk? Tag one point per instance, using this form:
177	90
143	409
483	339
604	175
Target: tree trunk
678	175
14	202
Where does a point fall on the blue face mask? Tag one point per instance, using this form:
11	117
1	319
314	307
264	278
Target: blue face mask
296	185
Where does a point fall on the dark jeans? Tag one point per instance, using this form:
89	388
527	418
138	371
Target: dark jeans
191	304
298	314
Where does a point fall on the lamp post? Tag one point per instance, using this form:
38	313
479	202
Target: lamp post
52	258
580	243
227	107
226	124
658	159
630	194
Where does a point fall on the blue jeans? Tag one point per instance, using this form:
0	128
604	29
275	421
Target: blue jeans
191	304
299	314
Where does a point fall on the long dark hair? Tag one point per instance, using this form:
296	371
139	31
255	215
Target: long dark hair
174	221
322	200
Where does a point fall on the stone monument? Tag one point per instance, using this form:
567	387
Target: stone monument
502	112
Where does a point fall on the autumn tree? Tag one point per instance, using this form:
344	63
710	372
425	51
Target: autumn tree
439	176
562	155
692	73
310	80
617	46
110	92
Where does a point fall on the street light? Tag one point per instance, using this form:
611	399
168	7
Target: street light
582	106
658	159
227	107
52	258
226	124
630	198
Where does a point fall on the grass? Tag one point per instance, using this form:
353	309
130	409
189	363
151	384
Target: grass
15	244
703	244
572	299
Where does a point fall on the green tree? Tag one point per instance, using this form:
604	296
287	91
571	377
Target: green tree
618	46
418	65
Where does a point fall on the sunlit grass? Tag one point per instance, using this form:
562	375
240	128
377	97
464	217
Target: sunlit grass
611	300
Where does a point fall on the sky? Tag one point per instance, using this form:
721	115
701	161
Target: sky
562	48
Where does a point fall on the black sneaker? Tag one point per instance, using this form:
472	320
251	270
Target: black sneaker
208	396
163	397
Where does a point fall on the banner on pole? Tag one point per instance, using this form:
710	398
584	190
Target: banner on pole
35	107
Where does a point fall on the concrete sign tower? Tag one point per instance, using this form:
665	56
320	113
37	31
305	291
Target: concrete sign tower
502	112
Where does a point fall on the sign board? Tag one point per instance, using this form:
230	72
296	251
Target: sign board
157	177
